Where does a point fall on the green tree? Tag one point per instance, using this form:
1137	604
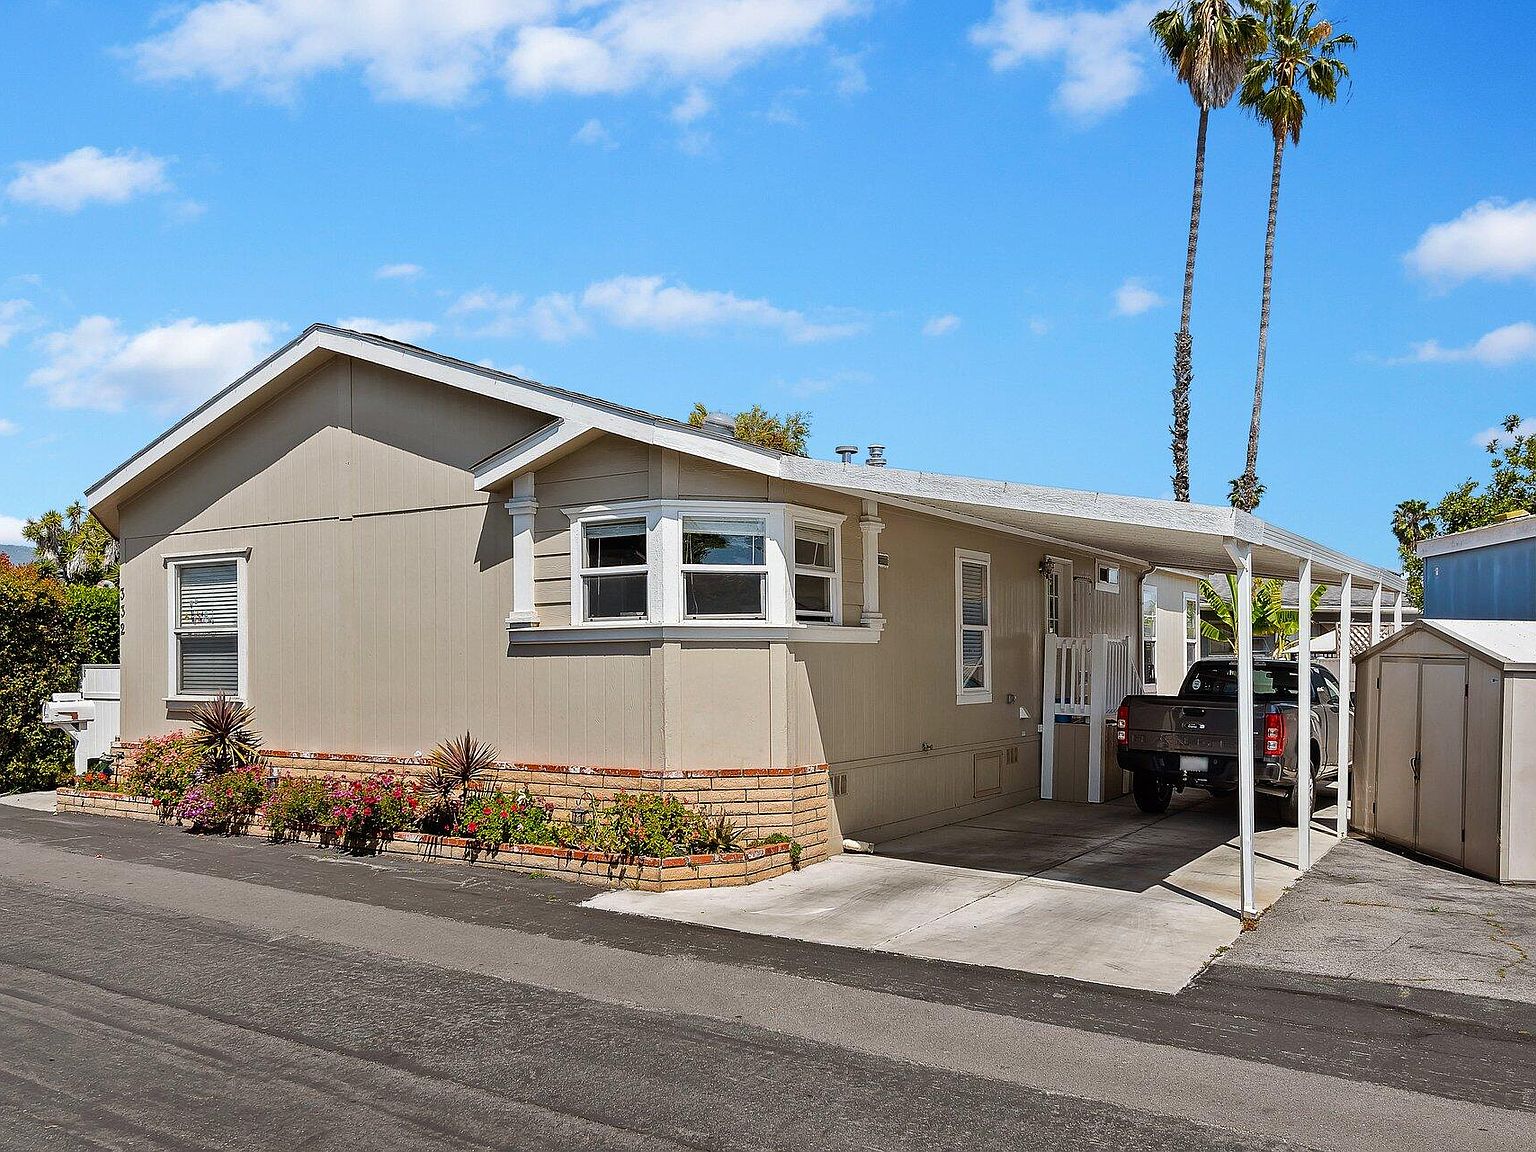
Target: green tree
1509	489
72	547
47	630
1208	43
758	426
1300	58
1218	619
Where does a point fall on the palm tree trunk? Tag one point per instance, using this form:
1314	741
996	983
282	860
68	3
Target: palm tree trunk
1183	343
1246	491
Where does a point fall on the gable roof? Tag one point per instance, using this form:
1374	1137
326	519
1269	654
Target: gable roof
1142	530
1511	644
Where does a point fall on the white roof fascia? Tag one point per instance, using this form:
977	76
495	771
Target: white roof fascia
553	439
1502	533
485	382
994	526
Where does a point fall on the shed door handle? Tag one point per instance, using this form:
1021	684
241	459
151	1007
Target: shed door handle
1415	763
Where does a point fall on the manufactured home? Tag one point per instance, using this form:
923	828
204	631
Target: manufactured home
376	547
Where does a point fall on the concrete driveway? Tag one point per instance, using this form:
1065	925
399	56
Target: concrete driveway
1093	892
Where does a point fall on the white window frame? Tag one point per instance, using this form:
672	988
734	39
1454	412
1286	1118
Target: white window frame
174	564
964	695
763	570
1191	643
1111	585
830	522
665	568
580	571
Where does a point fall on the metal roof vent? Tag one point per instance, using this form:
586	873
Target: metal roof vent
847	452
876	456
720	424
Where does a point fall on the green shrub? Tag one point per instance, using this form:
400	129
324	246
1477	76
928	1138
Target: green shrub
47	630
795	847
226	802
654	824
167	766
298	805
499	818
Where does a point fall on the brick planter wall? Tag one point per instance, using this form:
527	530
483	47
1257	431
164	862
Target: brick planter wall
791	802
649	873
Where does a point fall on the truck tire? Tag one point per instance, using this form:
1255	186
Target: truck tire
1290	807
1153	792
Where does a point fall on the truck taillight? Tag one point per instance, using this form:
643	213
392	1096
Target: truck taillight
1274	734
1123	725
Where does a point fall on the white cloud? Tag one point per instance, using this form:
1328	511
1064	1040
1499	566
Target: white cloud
10	530
595	135
1491	239
406	49
553	317
1102	52
848	69
85	175
8	427
1039	326
439	53
694	106
398	272
1133	298
16	316
97	365
405	331
1503	346
941	325
649	302
1491	437
682	41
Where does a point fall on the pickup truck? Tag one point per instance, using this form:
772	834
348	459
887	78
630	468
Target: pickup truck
1170	743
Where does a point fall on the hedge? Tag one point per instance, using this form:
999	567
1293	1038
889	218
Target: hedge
47	630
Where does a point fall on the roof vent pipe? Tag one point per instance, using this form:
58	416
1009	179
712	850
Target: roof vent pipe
876	456
847	452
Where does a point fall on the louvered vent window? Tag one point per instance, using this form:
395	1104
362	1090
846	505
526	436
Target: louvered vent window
208	629
973	593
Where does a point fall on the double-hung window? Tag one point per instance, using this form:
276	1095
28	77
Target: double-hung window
725	568
973	627
816	590
207	626
615	570
1191	630
1148	635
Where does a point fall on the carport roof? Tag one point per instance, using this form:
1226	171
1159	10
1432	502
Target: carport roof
1160	533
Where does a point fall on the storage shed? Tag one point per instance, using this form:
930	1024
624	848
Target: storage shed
1445	731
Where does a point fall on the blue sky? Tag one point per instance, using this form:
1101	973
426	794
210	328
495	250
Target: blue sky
956	229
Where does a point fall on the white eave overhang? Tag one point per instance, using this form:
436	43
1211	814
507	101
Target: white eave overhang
1158	533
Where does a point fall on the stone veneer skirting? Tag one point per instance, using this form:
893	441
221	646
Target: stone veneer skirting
649	873
792	802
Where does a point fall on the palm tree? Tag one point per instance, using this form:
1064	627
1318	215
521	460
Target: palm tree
1270	616
1301	52
1209	44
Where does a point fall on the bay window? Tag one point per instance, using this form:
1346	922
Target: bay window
615	574
725	568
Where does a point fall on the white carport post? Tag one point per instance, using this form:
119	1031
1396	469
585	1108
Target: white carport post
1242	557
1397	611
1376	614
1346	718
1304	698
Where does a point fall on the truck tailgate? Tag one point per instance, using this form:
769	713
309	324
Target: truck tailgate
1168	724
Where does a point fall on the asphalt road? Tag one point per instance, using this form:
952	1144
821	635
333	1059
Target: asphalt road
160	990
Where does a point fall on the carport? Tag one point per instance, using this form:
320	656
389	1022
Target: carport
1160	533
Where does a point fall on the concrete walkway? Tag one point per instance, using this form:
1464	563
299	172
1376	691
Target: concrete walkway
1092	892
34	801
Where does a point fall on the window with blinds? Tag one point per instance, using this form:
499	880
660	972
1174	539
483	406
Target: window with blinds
207	628
973	647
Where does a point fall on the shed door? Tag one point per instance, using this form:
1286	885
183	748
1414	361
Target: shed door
1442	758
1397	742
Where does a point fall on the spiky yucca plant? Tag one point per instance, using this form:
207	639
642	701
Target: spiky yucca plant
456	764
224	734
